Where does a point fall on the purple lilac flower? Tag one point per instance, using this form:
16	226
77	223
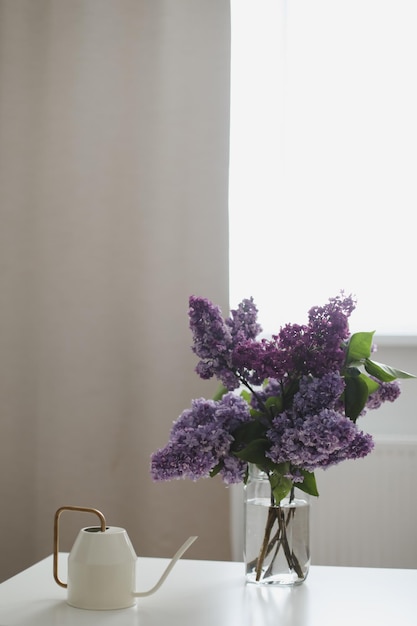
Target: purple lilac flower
210	334
270	390
233	471
386	392
298	350
281	424
243	322
200	414
292	342
200	439
259	360
295	475
333	316
319	440
360	446
318	393
215	338
328	329
231	411
318	347
215	367
212	341
275	358
195	444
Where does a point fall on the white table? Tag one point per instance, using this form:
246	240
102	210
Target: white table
212	593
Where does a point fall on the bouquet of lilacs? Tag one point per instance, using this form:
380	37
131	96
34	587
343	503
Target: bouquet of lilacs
288	404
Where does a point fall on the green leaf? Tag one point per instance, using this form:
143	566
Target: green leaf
385	373
249	431
216	469
355	369
355	395
221	390
274	404
352	372
256	414
359	347
280	484
372	384
309	484
246	395
254	452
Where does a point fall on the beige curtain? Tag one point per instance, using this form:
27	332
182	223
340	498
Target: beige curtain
113	206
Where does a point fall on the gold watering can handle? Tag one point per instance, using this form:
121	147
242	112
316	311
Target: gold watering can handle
83	509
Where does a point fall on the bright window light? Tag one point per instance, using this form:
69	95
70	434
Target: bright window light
323	171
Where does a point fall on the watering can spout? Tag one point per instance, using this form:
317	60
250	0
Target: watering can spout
175	558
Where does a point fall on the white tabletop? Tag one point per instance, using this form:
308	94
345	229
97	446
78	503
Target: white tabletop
212	593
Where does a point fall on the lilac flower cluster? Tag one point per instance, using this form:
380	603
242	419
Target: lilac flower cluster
215	338
200	439
297	349
313	433
321	440
292	410
386	392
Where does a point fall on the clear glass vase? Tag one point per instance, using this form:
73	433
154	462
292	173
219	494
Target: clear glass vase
277	536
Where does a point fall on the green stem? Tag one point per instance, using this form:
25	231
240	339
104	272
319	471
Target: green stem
280	538
264	548
289	555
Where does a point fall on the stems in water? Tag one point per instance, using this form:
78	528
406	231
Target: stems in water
276	513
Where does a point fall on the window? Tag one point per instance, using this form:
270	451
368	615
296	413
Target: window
323	173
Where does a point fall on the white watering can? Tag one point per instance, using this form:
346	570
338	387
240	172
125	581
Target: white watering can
102	565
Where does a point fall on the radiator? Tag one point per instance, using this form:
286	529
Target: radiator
366	514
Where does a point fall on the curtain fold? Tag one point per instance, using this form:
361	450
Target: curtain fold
114	133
